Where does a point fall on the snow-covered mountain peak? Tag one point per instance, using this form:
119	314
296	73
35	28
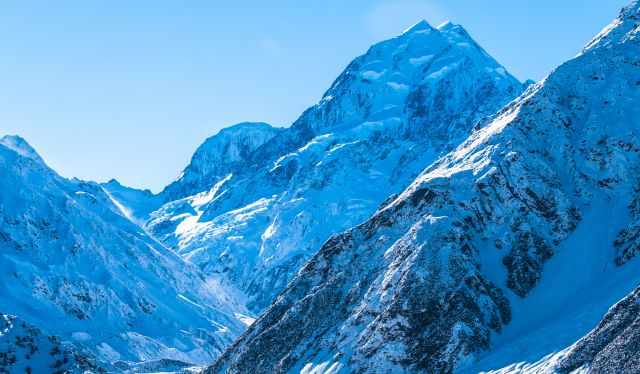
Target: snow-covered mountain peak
449	26
243	128
456	32
420	26
20	146
379	82
222	154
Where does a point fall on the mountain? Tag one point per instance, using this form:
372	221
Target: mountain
96	283
507	249
218	156
393	110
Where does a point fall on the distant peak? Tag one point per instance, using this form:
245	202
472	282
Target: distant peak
248	125
421	26
113	182
20	146
245	129
451	27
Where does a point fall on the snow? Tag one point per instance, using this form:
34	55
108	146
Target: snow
420	27
322	368
79	260
557	164
248	321
178	275
335	165
417	61
372	75
398	86
576	290
81	336
440	73
108	352
188	300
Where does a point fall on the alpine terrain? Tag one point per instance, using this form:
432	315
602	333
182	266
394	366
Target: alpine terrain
83	287
256	202
430	214
501	254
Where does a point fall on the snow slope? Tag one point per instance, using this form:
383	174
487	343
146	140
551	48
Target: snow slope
76	268
392	111
507	249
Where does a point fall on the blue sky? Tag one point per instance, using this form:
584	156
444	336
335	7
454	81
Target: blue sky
129	89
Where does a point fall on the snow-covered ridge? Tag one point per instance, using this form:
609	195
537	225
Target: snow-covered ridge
68	255
19	145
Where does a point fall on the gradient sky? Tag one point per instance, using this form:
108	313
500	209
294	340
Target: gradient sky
129	89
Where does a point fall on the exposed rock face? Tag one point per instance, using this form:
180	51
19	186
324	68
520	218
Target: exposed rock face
73	266
393	111
424	284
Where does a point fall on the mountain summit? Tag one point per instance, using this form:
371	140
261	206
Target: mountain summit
420	26
20	146
218	156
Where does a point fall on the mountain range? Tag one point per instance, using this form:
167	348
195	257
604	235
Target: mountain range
430	214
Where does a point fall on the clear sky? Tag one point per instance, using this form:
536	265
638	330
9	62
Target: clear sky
129	89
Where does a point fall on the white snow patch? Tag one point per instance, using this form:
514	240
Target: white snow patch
125	212
247	320
372	75
417	61
81	336
206	197
323	368
184	298
398	86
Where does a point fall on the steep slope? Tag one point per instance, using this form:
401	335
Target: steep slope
134	204
391	112
495	241
69	256
218	156
611	347
25	349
